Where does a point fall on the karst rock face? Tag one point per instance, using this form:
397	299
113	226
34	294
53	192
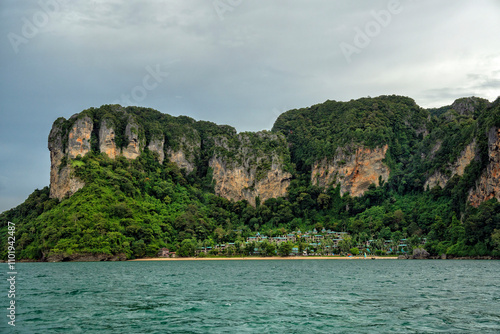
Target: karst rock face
68	142
251	165
243	172
79	137
355	171
63	145
488	186
134	145
157	145
253	174
107	142
457	168
186	153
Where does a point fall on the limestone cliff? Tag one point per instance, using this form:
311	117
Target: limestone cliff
107	143
156	145
179	158
186	152
457	168
244	171
134	144
488	185
63	146
354	171
71	138
79	137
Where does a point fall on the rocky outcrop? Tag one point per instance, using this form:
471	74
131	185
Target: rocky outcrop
354	171
85	257
56	157
239	183
156	145
79	137
71	138
246	173
180	159
135	145
435	149
488	185
468	106
457	168
436	179
107	136
185	154
420	254
62	181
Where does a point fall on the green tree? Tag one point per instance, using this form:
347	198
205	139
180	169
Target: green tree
285	248
354	251
187	248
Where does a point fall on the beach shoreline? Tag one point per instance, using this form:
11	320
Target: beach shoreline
256	258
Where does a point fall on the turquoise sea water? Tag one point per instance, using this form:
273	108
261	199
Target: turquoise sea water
275	296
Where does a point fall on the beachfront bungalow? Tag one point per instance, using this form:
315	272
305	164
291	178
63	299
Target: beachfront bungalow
279	240
335	234
203	250
336	242
402	247
220	247
307	237
163	252
318	237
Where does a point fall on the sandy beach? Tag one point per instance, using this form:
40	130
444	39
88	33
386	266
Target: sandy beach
253	258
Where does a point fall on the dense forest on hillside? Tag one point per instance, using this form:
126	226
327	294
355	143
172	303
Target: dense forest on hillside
135	207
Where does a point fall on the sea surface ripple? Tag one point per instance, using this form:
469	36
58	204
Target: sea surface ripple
302	296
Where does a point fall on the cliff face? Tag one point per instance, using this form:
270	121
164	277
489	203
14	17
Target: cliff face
249	165
488	185
457	168
107	142
134	145
240	170
246	173
79	137
62	182
185	155
156	145
355	172
66	144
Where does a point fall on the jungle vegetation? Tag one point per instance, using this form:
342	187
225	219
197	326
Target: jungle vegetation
136	207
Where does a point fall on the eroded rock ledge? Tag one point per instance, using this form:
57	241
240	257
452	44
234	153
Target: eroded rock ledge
244	172
457	168
251	166
354	171
488	185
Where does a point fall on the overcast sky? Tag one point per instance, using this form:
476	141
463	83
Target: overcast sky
236	62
